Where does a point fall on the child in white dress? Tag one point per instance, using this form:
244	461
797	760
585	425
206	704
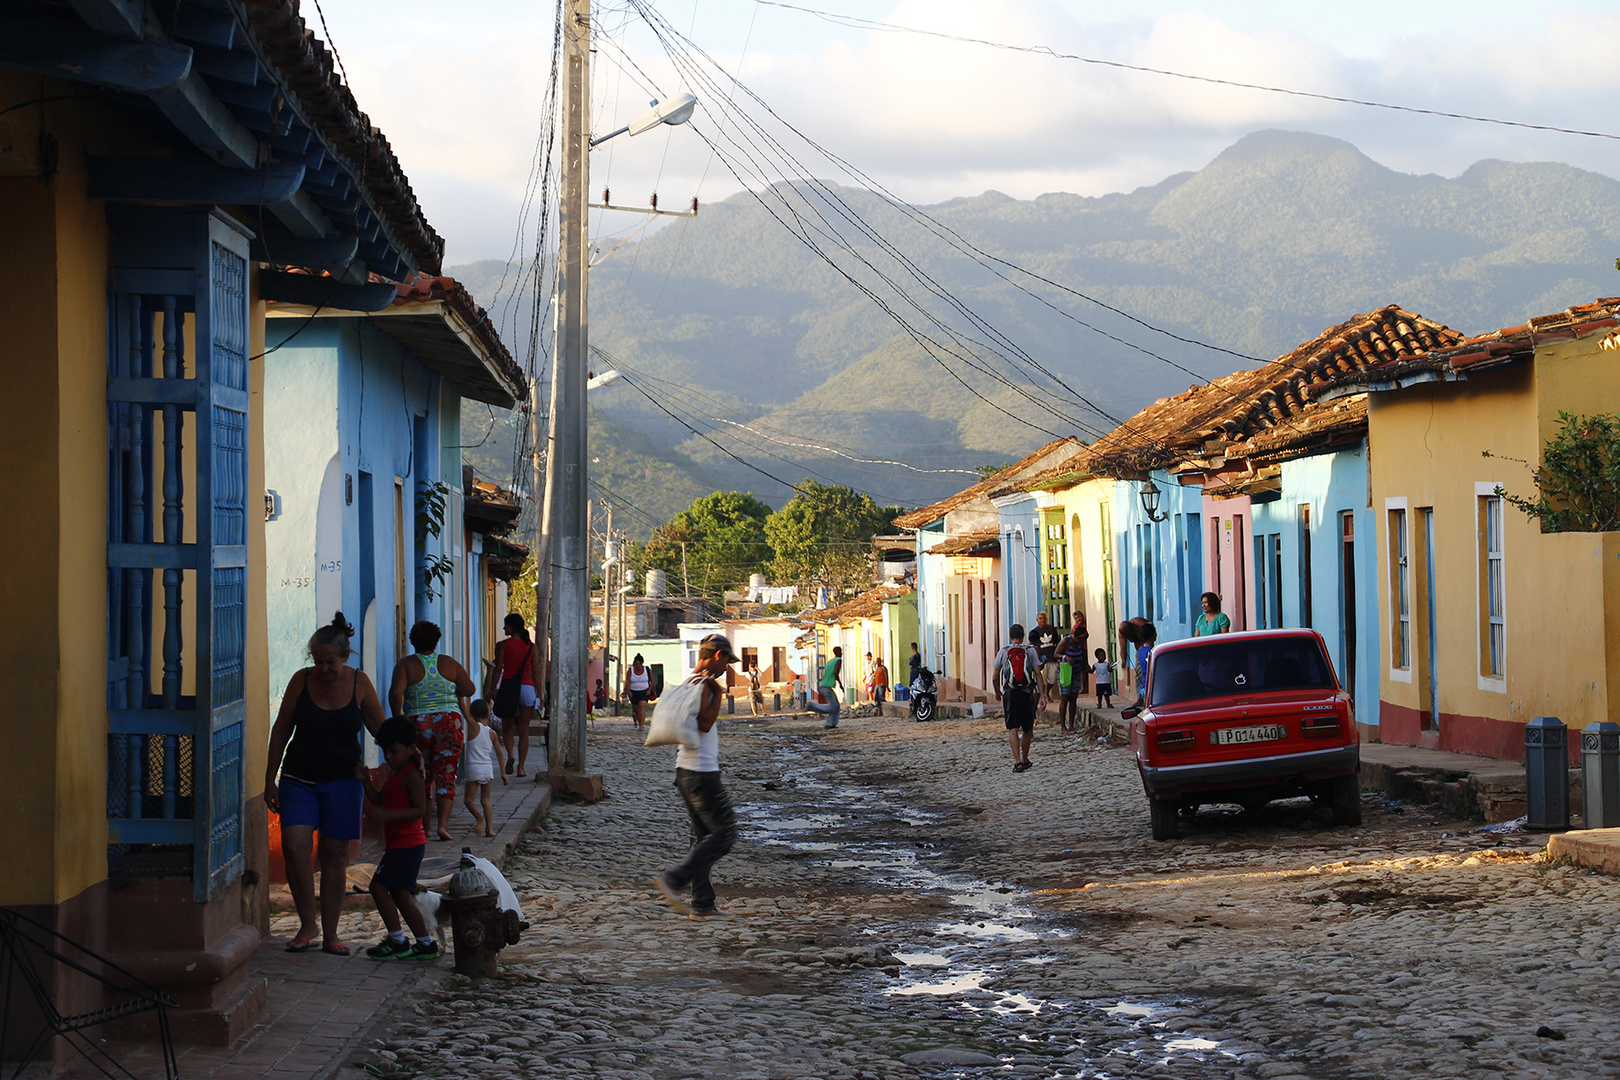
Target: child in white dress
482	753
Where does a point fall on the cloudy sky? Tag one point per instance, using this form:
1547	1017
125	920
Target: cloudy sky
458	89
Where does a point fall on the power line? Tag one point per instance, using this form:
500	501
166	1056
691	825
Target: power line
856	22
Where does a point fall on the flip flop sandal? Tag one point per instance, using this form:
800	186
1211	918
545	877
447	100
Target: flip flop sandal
336	948
300	944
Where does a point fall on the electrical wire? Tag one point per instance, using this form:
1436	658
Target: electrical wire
856	22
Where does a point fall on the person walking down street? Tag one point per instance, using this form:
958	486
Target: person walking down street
1073	664
400	806
880	682
516	697
484	756
756	696
1144	653
1213	620
832	677
1081	641
432	691
1016	682
1044	639
708	805
315	747
638	684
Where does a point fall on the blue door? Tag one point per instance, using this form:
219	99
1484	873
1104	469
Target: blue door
177	413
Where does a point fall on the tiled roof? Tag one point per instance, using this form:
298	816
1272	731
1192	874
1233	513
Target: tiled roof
934	511
1275	402
864	606
1499	348
422	288
308	67
977	542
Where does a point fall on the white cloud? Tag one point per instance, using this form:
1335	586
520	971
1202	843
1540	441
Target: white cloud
458	93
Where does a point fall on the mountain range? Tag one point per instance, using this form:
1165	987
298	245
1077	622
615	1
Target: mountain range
779	355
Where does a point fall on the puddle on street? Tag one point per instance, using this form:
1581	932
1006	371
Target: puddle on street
990	933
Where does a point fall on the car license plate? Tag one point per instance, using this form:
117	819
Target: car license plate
1238	735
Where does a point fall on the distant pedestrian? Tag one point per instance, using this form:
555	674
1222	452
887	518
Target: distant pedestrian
516	698
832	678
1131	633
599	699
1044	639
1017	686
485	757
697	778
1081	643
399	806
318	729
1212	621
1105	679
880	682
1144	653
638	684
432	690
914	664
1073	666
756	696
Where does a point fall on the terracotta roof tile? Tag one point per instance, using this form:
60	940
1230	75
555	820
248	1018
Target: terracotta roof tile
1499	348
866	605
1274	399
424	288
984	488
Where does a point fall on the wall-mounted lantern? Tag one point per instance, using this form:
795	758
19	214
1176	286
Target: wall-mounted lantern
1150	501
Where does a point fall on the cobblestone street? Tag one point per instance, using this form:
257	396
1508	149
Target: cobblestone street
907	906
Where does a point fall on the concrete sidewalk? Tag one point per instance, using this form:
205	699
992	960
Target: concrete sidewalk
320	1007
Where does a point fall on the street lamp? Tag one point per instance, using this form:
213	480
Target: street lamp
1150	501
607	378
677	110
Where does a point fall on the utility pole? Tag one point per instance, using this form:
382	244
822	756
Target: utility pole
565	488
686	585
609	560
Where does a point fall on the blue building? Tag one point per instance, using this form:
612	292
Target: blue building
363	470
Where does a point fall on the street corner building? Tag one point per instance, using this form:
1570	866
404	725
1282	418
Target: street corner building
171	173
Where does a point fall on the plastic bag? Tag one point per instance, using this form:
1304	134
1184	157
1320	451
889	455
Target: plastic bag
674	718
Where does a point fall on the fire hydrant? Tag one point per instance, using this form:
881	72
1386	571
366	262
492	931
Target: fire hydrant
479	928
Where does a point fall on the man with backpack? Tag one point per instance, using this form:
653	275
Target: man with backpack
1016	678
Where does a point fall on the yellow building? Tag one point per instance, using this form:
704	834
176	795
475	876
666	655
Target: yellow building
150	208
1486	621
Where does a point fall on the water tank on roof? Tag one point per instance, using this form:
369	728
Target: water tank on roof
657	583
756	581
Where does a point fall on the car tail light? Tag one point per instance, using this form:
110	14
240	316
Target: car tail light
1176	739
1326	724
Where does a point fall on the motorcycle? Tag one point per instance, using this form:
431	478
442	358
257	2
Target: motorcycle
924	695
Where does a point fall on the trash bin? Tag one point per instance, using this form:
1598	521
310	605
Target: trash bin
1546	773
902	693
1600	775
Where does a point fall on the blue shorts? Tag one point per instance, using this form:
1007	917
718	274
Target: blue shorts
398	868
332	807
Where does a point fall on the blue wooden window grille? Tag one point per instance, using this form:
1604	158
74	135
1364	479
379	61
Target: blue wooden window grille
175	759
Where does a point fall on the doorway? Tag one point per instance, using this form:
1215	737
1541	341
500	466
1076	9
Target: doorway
1347	601
1429	691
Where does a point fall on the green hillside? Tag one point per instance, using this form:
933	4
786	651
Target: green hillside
1281	235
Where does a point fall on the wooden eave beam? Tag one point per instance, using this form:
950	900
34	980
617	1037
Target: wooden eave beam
69	51
202	118
162	180
122	18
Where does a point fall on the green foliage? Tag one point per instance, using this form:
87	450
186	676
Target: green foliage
431	500
823	536
520	593
1578	480
987	471
725	541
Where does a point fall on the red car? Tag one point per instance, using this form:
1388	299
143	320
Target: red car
1245	718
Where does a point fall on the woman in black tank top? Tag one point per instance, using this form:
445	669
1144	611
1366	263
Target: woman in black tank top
315	747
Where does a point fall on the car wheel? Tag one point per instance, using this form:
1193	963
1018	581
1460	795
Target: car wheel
1346	792
1188	809
1166	823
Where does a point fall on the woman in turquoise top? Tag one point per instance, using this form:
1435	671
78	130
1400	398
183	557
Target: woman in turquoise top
433	691
1212	621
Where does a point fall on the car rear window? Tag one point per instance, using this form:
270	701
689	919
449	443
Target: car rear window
1239	667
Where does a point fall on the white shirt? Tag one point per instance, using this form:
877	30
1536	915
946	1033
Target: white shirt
706	758
640	680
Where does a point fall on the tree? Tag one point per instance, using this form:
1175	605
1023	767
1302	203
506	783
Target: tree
1579	477
823	536
725	541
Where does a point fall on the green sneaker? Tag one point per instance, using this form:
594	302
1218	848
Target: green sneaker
430	951
389	949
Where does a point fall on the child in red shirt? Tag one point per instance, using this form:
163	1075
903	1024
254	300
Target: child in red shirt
398	805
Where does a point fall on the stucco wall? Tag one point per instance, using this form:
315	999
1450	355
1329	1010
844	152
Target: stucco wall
1427	444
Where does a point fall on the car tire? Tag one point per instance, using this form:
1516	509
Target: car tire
1346	795
1166	819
